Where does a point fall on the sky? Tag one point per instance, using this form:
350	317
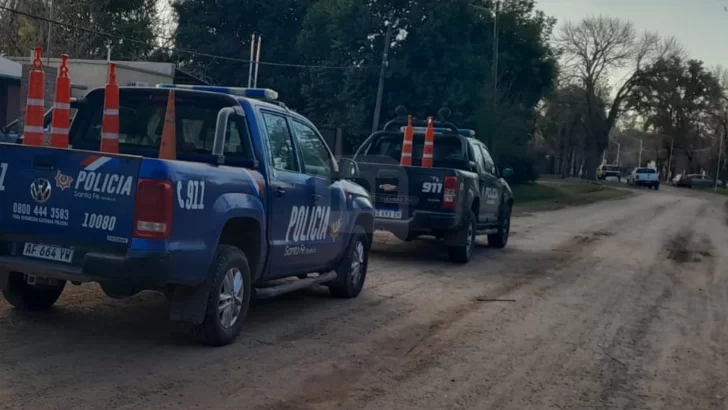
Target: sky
700	26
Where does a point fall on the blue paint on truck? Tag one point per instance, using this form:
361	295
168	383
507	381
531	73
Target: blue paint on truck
254	195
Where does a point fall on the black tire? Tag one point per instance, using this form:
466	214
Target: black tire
31	298
230	264
499	240
463	253
352	270
657	187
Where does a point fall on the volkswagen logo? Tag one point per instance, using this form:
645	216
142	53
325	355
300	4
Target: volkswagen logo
40	190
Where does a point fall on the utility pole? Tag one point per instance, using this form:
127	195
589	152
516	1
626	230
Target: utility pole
669	160
50	26
720	150
495	76
252	60
639	161
380	89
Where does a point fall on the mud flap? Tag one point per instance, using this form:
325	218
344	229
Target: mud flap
456	238
189	304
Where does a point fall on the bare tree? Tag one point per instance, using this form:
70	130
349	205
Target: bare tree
595	51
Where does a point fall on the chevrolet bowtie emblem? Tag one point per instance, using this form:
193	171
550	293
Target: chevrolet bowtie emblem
388	187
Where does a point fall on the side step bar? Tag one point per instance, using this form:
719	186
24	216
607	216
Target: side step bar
292	286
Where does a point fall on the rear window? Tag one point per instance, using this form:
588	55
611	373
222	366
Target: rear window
141	121
611	168
646	171
448	151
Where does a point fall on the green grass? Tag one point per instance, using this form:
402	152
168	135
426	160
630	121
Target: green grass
554	194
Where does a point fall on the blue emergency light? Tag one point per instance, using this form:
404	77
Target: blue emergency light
462	131
255	93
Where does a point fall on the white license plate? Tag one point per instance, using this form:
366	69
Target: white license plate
389	214
48	252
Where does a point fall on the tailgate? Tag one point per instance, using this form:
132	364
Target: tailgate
66	196
398	191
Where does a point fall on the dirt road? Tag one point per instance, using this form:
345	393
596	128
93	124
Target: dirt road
620	304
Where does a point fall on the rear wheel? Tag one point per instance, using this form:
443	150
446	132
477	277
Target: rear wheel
28	297
500	239
462	253
229	299
657	187
352	271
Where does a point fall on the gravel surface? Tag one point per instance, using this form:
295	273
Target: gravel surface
620	304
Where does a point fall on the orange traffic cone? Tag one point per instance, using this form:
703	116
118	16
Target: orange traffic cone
110	122
409	133
429	145
35	106
168	147
61	107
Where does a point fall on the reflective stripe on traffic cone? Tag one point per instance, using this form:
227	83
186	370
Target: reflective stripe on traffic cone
168	147
110	122
429	144
61	107
409	132
35	106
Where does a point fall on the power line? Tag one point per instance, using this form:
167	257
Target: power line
177	50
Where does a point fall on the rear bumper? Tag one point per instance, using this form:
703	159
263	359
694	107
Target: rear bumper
142	271
646	183
422	222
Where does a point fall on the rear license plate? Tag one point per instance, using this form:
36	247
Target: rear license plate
388	214
48	252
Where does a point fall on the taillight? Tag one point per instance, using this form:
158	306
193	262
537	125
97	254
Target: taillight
450	192
153	209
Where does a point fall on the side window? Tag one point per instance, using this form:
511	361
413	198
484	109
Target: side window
478	158
316	157
282	151
489	164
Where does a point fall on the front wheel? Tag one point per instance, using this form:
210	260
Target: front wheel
462	253
352	271
500	239
657	187
229	299
23	296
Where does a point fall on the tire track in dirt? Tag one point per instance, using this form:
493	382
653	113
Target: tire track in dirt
416	347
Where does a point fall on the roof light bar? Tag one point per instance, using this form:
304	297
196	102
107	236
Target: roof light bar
255	93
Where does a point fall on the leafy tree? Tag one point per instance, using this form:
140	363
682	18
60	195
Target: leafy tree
676	96
131	19
593	50
224	28
441	54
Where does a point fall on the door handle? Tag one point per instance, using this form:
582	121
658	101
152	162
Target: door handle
279	191
316	197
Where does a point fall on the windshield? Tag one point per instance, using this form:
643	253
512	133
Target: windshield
646	171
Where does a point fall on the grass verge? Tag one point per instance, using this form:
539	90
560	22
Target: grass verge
555	194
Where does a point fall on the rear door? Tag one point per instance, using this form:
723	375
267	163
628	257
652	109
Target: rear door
327	200
493	189
66	197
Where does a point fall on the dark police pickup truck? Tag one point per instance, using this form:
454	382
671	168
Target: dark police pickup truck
462	195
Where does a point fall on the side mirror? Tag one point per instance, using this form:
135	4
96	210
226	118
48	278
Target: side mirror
507	173
473	166
348	169
218	145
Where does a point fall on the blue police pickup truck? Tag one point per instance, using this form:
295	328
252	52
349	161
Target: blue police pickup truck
254	206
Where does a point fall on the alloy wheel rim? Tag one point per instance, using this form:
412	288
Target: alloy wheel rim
230	300
357	263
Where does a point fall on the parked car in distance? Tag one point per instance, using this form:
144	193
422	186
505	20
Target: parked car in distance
698	181
606	171
644	176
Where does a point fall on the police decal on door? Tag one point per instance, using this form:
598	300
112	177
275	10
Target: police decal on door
310	224
490	194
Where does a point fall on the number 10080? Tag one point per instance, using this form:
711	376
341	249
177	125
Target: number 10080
97	221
